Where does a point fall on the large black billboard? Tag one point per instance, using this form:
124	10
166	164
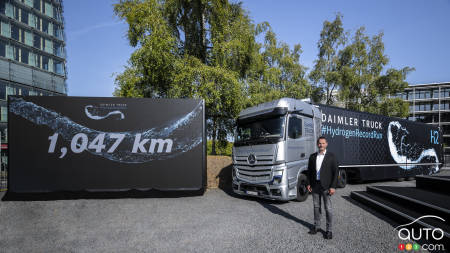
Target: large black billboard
105	144
377	146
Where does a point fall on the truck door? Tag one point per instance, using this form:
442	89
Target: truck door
294	140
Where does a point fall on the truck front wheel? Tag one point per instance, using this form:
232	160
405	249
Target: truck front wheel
302	191
342	179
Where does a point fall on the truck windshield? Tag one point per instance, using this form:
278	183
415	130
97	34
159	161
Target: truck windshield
271	128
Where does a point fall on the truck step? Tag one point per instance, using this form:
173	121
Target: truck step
399	213
426	202
440	184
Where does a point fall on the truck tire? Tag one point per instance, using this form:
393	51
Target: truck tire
342	179
302	191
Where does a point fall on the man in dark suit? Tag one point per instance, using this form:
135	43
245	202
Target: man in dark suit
322	179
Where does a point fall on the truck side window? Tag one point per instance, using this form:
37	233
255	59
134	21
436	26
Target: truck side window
295	127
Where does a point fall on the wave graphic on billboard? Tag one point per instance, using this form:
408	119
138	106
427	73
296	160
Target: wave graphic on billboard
177	131
97	117
403	152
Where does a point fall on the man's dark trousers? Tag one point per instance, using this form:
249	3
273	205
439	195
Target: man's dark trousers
319	193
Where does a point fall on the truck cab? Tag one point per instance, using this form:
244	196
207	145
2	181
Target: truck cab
273	142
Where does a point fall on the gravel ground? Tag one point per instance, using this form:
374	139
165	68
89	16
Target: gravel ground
215	222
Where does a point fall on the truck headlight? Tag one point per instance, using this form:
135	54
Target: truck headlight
277	177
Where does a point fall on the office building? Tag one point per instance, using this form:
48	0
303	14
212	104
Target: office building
32	53
430	103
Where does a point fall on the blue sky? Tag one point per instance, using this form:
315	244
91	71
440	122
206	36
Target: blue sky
416	34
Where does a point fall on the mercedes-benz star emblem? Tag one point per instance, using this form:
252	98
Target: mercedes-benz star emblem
251	159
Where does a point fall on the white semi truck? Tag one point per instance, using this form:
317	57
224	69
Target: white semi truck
274	140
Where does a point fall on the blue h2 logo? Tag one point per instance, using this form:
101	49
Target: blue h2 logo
434	137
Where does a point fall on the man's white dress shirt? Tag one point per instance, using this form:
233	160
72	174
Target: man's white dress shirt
319	161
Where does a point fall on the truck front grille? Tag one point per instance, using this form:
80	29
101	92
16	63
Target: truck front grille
254	174
260	160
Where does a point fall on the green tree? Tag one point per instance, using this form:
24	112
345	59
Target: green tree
276	71
364	85
325	75
356	69
189	49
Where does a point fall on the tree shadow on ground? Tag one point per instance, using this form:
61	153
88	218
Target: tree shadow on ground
225	184
226	180
269	205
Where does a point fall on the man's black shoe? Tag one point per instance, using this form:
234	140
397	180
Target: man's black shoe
313	231
328	235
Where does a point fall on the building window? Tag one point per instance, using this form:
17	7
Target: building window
435	106
28	38
435	118
45	62
50	29
44	25
57	49
32	59
24	16
48	9
50	65
2	90
37	5
9	10
25	91
6	29
58	15
24	55
10	91
15	32
32	20
9	52
59	68
410	95
59	33
48	47
436	93
33	93
2	48
4	114
29	2
445	92
37	41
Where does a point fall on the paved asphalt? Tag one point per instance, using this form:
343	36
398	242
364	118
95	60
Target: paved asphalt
214	222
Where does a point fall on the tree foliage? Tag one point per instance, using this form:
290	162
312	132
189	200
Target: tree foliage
356	67
206	49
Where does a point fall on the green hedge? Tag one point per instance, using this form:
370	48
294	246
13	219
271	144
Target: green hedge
220	151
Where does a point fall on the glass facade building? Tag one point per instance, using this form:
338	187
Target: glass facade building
430	103
32	54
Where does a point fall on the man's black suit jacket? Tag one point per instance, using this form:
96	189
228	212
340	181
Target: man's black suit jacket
328	170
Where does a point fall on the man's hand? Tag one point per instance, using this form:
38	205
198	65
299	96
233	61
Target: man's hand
309	188
331	191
